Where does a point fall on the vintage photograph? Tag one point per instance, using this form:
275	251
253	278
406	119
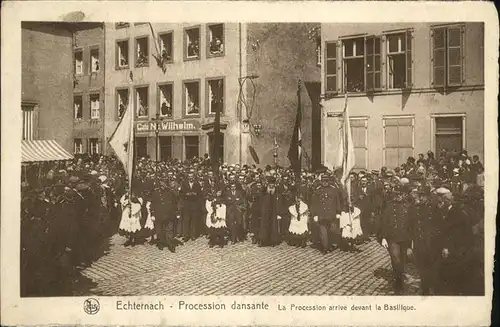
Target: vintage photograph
235	159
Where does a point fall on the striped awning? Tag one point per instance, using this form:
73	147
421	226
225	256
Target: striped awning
43	150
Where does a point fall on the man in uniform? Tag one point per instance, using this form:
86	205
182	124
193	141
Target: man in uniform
326	206
166	211
394	232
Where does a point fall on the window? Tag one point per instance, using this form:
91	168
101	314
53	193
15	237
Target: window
359	131
192	43
192	146
94	58
373	64
447	55
354	64
165	148
166	99
122	102
449	133
211	140
141	101
78	146
93	146
141	147
192	98
122	54
121	25
399	60
331	67
398	140
28	121
142	52
79	62
215	40
215	95
166	47
94	106
77	105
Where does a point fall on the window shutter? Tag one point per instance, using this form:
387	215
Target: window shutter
369	63
455	49
331	67
409	61
438	37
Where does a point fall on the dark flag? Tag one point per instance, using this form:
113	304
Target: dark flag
216	137
295	151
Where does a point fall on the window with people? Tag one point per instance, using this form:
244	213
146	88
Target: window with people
192	43
165	103
192	98
141	102
142	52
216	39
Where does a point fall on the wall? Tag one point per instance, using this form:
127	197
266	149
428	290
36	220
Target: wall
88	37
226	66
421	102
47	79
280	54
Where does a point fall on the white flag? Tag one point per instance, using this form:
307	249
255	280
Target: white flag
346	147
122	140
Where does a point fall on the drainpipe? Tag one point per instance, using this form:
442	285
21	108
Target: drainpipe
239	113
102	63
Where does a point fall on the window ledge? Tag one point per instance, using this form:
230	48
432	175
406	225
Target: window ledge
121	67
142	65
191	58
215	55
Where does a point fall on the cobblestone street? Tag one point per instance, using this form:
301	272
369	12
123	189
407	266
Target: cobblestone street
242	269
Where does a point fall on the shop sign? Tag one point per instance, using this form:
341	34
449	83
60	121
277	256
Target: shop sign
168	126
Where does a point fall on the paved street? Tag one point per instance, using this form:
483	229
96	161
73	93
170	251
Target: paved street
241	269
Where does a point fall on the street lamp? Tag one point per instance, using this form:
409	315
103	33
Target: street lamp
157	121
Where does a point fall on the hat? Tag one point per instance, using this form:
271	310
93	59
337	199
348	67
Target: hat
389	173
442	191
404	181
74	179
375	172
93	173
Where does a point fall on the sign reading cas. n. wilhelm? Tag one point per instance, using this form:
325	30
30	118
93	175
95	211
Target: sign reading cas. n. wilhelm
168	126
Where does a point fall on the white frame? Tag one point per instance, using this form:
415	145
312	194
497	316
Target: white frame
453	115
95	110
355	56
74	107
186	98
162	43
78	71
384	118
28	123
188	38
160	98
93	60
210	38
77	150
91	146
209	91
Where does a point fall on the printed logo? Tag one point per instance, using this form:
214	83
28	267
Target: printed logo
91	306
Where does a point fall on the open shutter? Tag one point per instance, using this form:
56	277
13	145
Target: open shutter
331	67
438	37
455	45
409	61
369	64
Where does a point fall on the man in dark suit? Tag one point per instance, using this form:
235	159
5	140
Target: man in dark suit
192	199
394	233
235	207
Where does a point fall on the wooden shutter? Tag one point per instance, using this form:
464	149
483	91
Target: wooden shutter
373	63
409	61
438	37
331	67
455	51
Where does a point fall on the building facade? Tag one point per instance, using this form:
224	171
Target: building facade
88	88
175	76
47	82
411	88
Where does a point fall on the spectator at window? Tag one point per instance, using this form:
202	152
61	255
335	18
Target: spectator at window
143	108
216	46
121	110
166	109
194	48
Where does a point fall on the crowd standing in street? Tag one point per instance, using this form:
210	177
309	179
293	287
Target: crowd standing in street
428	210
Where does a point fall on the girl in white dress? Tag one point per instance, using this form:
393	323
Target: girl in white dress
149	226
299	217
351	227
130	223
216	221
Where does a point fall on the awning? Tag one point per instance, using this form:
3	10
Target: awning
43	150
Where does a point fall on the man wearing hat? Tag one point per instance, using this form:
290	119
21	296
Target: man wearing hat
326	206
394	232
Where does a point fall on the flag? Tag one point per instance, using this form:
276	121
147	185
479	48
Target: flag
295	151
216	137
346	157
122	140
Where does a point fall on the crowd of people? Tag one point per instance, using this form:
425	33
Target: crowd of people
429	210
